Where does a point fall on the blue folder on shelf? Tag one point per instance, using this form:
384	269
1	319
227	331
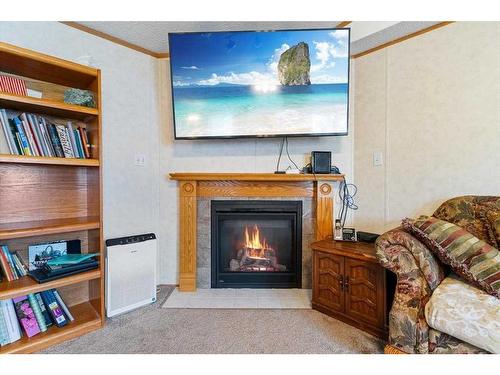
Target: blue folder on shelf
70	259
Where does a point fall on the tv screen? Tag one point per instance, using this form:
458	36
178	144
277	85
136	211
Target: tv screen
260	83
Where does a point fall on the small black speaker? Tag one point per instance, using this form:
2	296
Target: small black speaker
321	161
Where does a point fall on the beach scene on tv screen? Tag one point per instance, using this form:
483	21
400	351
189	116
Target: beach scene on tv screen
260	83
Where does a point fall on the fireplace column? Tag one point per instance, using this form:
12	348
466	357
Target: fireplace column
187	236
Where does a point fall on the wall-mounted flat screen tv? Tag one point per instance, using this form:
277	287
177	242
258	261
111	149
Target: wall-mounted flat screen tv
260	83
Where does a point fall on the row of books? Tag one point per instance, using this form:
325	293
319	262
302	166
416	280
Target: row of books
35	135
32	314
11	264
13	85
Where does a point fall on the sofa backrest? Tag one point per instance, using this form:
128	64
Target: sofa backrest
473	213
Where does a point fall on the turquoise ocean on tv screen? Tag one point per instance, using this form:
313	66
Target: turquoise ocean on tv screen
229	110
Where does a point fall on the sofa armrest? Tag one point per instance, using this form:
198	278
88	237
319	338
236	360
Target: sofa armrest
418	274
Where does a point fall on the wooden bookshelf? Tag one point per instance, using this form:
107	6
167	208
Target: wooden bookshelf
46	198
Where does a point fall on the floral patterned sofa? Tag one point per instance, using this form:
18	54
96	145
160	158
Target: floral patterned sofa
423	283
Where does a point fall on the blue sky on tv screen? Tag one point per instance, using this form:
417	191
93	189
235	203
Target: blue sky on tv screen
250	58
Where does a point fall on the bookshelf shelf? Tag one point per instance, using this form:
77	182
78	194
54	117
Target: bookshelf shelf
87	319
25	285
46	106
7	158
45	227
45	199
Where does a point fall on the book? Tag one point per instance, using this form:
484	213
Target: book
56	142
4	263
39	254
4	333
43	309
37	133
46	137
10	261
38	313
13	85
21	266
63	305
7	131
29	125
79	144
23	139
13	328
3	267
29	135
55	310
26	316
71	136
7	141
85	141
65	142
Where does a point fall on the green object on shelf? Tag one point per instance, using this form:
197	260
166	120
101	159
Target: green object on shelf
70	259
79	97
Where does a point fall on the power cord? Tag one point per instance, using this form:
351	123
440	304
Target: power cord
347	197
279	156
288	154
284	143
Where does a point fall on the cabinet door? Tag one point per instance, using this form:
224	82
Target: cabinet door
363	288
327	282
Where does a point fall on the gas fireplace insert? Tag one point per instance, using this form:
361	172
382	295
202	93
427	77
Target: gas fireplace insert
256	244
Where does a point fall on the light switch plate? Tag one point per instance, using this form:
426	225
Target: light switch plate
140	160
378	159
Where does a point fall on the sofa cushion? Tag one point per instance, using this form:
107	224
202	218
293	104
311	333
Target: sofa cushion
465	312
493	225
469	212
467	255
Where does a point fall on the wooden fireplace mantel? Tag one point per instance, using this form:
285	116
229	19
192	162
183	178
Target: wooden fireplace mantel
206	185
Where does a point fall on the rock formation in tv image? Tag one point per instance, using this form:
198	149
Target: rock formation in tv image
294	66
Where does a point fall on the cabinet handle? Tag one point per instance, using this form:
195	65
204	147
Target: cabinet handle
346	284
341	282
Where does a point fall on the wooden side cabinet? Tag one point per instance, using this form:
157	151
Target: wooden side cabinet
350	285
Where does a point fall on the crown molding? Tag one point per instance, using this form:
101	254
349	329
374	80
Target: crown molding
402	39
116	40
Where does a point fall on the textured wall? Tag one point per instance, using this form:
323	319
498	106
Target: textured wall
431	104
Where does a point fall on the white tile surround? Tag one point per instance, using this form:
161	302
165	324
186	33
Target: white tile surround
240	299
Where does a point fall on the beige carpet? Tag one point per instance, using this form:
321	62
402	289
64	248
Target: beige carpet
156	330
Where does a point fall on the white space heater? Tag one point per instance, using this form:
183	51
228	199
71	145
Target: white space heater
130	273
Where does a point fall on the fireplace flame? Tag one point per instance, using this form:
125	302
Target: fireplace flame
253	242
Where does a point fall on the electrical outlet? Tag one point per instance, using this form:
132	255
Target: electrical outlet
140	160
378	159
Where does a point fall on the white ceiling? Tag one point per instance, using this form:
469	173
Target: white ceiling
154	35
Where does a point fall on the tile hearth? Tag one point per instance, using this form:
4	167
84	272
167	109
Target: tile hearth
218	298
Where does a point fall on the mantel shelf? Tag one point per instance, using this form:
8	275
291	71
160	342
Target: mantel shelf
254	177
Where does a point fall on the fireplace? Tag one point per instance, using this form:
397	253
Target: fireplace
256	244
